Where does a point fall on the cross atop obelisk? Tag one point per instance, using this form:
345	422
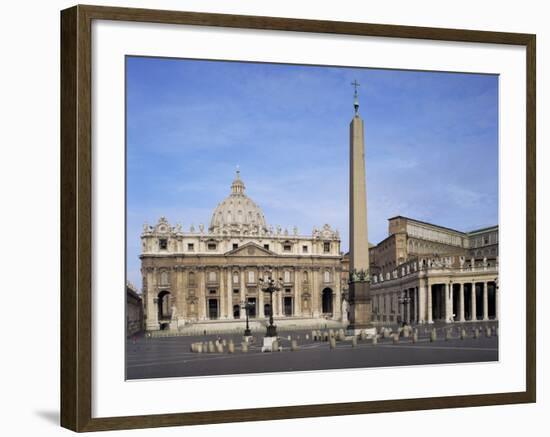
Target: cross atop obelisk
355	85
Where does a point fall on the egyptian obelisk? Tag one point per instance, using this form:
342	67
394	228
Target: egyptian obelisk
360	301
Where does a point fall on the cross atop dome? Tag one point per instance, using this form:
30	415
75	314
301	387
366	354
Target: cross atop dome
237	187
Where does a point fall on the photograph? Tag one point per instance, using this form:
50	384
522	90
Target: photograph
293	218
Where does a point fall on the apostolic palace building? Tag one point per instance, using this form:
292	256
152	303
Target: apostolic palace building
202	277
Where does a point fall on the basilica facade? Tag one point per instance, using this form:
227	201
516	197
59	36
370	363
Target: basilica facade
206	276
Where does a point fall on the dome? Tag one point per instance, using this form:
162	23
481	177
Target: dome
238	211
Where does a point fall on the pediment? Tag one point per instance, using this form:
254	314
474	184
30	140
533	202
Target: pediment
250	249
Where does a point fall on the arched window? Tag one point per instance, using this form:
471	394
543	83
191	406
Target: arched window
235	277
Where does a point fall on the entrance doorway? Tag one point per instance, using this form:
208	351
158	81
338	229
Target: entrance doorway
212	309
327	301
252	309
288	306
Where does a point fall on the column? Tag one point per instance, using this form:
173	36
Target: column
260	303
297	300
473	305
461	303
242	286
202	293
429	297
415	305
222	308
449	302
485	302
422	304
182	302
152	311
496	302
315	292
229	287
337	304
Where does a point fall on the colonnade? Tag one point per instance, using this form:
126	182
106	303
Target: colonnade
437	301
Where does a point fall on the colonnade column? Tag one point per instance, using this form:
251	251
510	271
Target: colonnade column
485	302
422	304
408	297
461	303
473	304
415	294
260	312
496	302
449	302
430	309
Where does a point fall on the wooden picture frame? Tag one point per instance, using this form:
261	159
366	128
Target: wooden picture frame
76	217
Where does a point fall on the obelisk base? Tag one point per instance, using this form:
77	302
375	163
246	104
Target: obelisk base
361	306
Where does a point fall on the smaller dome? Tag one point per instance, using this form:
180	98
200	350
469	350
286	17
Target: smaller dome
238	211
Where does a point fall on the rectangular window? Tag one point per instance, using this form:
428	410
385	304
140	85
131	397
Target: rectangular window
235	278
288	290
287	276
287	247
163	244
326	247
190	247
235	246
266	246
235	291
211	276
211	246
250	277
212	291
304	249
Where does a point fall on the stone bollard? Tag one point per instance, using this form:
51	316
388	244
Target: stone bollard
448	334
463	334
307	336
224	342
331	333
433	335
211	347
386	333
396	338
199	348
332	343
219	347
289	338
406	332
375	339
275	346
192	348
230	347
363	335
244	346
354	341
476	333
313	336
293	345
204	346
488	332
415	336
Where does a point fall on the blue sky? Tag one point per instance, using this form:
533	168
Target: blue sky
431	144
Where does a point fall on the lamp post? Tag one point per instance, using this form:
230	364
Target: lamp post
247	306
404	300
270	286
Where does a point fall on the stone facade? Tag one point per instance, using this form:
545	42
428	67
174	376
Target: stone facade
205	276
134	310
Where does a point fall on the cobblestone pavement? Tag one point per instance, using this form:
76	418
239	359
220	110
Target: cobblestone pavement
172	357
